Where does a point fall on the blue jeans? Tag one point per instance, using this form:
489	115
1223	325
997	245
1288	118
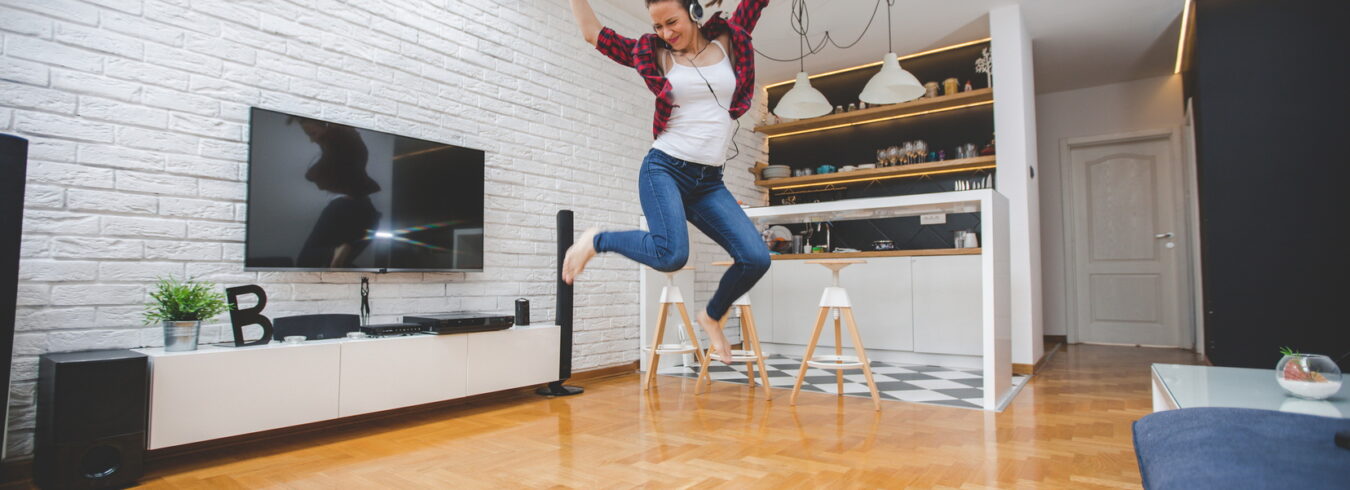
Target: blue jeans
673	190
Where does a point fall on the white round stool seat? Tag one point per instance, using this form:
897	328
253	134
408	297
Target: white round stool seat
835	362
670	293
667	349
835	297
738	355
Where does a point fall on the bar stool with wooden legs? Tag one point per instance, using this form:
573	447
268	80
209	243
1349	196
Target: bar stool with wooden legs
750	353
836	298
670	295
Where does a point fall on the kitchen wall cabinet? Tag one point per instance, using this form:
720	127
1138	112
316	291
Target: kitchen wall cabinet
947	305
920	304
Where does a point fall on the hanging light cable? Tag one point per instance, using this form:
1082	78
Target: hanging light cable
802	101
892	84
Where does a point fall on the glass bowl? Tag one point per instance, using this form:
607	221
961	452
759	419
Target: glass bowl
1308	376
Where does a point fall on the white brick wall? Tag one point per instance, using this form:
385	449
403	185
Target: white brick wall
137	113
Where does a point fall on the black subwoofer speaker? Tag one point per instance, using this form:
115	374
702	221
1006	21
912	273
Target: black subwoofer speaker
13	167
91	419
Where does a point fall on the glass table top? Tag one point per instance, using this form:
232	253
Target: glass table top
1209	386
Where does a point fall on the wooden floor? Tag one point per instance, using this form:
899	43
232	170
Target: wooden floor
1069	428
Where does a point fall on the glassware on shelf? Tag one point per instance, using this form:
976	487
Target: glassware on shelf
966	151
881	157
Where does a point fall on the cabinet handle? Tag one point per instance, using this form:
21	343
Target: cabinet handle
1164	235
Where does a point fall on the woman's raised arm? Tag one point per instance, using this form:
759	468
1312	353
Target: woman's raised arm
586	20
747	13
616	47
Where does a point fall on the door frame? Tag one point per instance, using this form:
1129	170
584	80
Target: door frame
1181	216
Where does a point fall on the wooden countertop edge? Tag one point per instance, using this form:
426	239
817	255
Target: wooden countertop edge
881	253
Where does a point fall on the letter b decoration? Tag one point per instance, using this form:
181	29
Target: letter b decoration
252	316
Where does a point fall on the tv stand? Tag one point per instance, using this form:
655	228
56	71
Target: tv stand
216	392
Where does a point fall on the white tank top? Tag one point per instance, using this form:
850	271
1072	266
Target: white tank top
700	125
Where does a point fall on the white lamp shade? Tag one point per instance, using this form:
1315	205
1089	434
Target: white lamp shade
802	101
892	84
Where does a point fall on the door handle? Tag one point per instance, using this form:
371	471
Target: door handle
1164	235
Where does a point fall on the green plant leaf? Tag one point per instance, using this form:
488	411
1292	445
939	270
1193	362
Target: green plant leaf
183	300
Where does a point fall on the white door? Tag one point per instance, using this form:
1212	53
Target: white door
1124	220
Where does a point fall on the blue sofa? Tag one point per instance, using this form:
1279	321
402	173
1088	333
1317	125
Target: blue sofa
1238	448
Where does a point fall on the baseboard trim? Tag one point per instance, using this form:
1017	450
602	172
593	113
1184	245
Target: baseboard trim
1030	369
1063	339
606	372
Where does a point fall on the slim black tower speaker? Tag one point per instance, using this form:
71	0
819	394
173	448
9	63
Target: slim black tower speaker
564	315
13	169
91	419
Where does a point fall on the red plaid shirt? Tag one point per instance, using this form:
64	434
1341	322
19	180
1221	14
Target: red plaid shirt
640	55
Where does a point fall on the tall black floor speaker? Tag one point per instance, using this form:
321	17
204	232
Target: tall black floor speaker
13	168
564	315
91	419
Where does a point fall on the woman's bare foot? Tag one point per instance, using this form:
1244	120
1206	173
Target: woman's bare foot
579	254
720	346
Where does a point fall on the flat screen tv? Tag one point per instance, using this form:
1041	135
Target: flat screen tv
324	196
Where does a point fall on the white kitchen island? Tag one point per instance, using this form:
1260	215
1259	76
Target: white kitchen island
946	307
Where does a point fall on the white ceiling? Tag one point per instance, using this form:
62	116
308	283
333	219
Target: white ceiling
1075	43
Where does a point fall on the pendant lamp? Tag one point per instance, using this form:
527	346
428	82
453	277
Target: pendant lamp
892	84
802	101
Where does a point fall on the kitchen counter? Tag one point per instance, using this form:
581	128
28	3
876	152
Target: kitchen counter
941	307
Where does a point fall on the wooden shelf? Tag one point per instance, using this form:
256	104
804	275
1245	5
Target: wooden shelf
880	253
896	171
893	111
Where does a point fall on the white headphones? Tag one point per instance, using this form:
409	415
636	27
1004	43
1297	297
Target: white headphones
695	11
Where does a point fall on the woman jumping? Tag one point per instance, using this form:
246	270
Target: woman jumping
700	92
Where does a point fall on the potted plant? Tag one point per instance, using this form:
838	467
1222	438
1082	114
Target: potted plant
181	306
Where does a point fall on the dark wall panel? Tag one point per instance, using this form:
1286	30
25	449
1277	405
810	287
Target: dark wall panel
13	169
1270	102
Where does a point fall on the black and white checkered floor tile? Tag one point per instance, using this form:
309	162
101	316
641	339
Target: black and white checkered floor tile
901	382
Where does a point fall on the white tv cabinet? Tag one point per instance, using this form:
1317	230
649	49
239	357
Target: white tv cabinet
216	392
